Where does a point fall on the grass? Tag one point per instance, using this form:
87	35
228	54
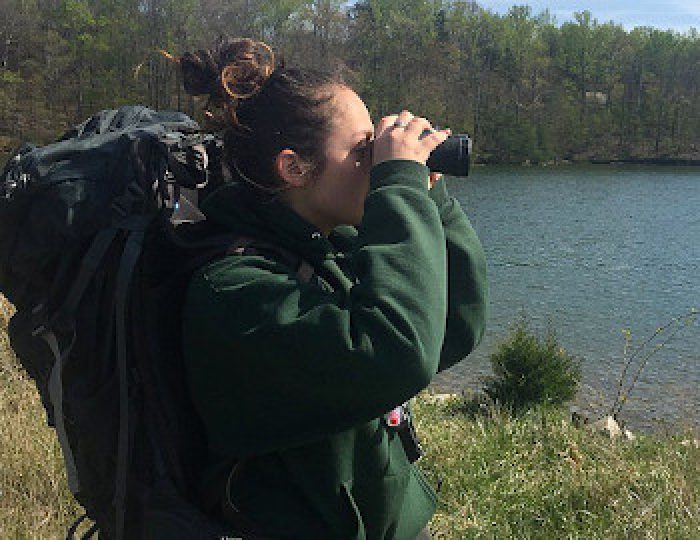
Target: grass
34	498
539	476
536	476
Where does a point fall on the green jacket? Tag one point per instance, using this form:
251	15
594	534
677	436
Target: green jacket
293	378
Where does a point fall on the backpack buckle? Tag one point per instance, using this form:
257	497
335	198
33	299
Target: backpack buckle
14	180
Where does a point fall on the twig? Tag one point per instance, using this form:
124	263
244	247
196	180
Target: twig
621	380
621	397
642	365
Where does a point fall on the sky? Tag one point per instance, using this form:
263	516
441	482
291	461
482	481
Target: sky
679	15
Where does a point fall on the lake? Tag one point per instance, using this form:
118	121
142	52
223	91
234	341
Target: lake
591	251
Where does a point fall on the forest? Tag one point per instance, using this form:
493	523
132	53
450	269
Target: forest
527	88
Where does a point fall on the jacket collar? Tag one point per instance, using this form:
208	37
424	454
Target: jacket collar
235	208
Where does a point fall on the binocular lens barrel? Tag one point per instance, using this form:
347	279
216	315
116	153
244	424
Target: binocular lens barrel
452	156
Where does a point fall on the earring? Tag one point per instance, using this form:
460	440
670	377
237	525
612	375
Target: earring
358	164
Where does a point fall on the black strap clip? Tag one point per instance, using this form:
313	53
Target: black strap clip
400	421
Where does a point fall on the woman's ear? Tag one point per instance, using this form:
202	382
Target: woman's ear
291	168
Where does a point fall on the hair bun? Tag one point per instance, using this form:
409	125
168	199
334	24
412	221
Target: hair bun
235	68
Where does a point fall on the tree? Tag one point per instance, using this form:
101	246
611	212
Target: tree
525	87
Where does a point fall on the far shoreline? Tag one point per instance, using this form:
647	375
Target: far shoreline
653	162
650	162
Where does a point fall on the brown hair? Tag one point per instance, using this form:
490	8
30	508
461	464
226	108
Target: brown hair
261	108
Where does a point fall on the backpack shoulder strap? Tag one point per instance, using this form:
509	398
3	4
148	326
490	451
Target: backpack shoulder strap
246	245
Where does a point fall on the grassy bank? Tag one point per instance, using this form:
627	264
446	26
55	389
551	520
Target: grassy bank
539	476
533	477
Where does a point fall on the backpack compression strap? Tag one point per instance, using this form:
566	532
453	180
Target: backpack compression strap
135	226
88	266
130	256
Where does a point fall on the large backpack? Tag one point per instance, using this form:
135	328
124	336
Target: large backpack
99	236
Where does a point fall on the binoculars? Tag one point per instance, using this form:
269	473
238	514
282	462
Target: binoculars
452	156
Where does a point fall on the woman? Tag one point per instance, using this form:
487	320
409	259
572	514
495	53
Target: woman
293	374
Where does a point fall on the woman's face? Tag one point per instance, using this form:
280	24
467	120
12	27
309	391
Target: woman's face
336	195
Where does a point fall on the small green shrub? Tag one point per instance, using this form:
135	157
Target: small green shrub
529	371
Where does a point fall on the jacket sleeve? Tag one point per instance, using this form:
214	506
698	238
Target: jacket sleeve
467	283
274	363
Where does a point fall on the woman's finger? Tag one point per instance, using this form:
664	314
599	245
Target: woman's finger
417	126
384	124
435	139
403	119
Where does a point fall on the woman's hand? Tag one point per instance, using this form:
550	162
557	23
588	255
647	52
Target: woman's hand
399	137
